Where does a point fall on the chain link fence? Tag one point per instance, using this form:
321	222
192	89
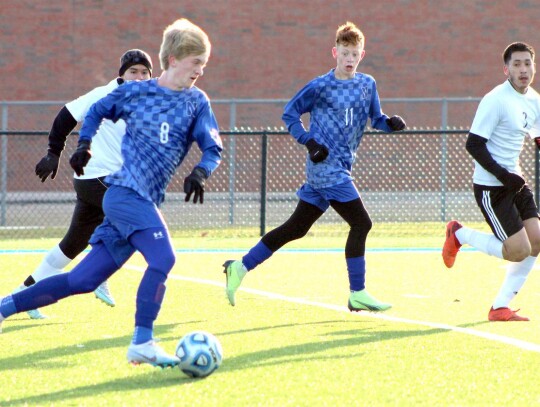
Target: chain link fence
420	177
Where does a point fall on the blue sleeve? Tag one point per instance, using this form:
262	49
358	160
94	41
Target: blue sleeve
110	107
301	103
378	118
206	134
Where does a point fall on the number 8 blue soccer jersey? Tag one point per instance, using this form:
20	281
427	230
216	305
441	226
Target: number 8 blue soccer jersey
161	126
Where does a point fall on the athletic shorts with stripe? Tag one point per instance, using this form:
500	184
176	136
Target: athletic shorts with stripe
504	211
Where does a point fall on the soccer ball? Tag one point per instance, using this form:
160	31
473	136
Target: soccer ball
200	354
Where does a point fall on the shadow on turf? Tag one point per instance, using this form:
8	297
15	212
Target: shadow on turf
44	359
88	394
348	338
308	351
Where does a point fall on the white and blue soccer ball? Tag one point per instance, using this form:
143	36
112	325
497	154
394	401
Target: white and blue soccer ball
200	354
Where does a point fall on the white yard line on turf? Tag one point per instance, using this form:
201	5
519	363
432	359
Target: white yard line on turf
468	331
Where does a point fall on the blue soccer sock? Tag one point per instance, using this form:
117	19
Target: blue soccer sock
160	256
259	253
356	266
142	335
7	306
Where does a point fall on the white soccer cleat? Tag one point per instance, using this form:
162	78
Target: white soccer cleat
151	353
102	293
36	314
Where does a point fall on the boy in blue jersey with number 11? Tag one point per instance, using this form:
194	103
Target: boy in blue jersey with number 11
163	116
339	103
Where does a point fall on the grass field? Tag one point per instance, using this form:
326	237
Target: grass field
290	341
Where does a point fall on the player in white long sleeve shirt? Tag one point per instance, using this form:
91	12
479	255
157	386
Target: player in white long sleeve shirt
506	116
106	158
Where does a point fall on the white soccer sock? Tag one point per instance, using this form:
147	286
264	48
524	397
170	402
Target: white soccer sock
52	264
485	242
516	274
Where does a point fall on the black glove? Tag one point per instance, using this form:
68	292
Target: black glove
512	181
396	123
537	142
80	157
317	152
47	165
194	184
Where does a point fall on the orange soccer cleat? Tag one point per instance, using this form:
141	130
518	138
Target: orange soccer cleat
451	244
505	314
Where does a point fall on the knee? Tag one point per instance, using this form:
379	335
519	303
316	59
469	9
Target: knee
361	230
535	247
296	232
163	263
517	253
83	284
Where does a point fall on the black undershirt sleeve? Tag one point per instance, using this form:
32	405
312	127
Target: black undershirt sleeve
63	124
476	146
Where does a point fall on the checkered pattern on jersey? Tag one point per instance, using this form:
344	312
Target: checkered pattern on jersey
159	134
339	118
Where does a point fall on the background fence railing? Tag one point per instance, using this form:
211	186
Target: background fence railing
263	113
418	176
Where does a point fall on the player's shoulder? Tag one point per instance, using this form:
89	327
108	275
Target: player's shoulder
498	95
365	77
322	79
500	89
532	93
100	91
199	93
133	86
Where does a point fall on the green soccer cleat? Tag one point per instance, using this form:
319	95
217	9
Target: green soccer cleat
234	271
363	301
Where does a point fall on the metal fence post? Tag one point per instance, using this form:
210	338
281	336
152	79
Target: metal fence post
4	167
444	157
232	161
264	161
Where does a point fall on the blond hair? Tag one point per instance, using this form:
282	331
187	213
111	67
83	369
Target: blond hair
181	39
349	34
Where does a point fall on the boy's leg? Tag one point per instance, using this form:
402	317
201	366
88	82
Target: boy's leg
296	227
95	268
357	217
155	245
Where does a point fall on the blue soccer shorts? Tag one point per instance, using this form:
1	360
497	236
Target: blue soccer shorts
125	213
321	197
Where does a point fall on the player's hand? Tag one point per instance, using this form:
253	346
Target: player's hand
80	157
396	123
47	165
512	181
537	142
194	184
317	152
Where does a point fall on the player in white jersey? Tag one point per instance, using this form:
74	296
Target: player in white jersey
505	117
135	64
